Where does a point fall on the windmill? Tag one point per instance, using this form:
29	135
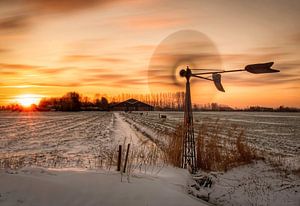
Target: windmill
189	154
189	47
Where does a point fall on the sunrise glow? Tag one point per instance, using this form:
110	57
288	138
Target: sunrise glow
27	100
109	49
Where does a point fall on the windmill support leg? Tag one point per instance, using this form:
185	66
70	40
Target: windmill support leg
189	151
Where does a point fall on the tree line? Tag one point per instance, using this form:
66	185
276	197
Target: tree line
73	101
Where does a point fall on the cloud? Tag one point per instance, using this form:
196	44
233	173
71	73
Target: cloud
13	22
129	82
104	77
7	73
39	84
114	80
251	58
153	22
266	80
295	39
50	77
61	6
289	74
56	84
142	48
4	50
18	13
284	60
111	60
19	68
75	58
56	6
89	58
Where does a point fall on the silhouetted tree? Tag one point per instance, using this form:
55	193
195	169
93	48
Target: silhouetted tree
71	102
102	103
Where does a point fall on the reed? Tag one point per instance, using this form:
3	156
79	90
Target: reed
215	150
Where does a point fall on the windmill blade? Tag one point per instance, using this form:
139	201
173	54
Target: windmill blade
261	68
175	52
217	80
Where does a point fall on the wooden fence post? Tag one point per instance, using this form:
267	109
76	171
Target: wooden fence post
119	158
126	158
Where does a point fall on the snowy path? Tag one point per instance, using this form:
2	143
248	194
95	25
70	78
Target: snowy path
124	132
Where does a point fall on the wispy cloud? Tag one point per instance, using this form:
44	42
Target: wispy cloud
130	82
26	10
151	22
289	74
40	84
2	50
89	58
142	48
295	38
56	84
75	58
62	6
20	68
13	22
56	6
52	46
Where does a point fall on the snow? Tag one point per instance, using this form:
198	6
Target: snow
57	139
76	135
36	187
124	131
253	184
278	134
63	160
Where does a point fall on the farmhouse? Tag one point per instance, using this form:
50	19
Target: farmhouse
132	105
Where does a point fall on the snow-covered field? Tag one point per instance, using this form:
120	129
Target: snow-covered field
275	133
64	159
57	139
56	156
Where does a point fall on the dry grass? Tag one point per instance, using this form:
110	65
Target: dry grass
173	147
219	147
219	152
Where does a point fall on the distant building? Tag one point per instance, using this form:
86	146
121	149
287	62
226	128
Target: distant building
261	109
132	105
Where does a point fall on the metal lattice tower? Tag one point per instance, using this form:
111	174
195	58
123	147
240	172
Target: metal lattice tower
189	151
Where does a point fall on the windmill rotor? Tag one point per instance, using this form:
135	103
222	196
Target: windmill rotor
175	52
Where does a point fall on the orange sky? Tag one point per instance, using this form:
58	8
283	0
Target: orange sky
48	48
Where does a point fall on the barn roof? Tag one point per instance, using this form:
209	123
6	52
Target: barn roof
132	102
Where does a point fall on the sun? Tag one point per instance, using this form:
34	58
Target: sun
27	100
